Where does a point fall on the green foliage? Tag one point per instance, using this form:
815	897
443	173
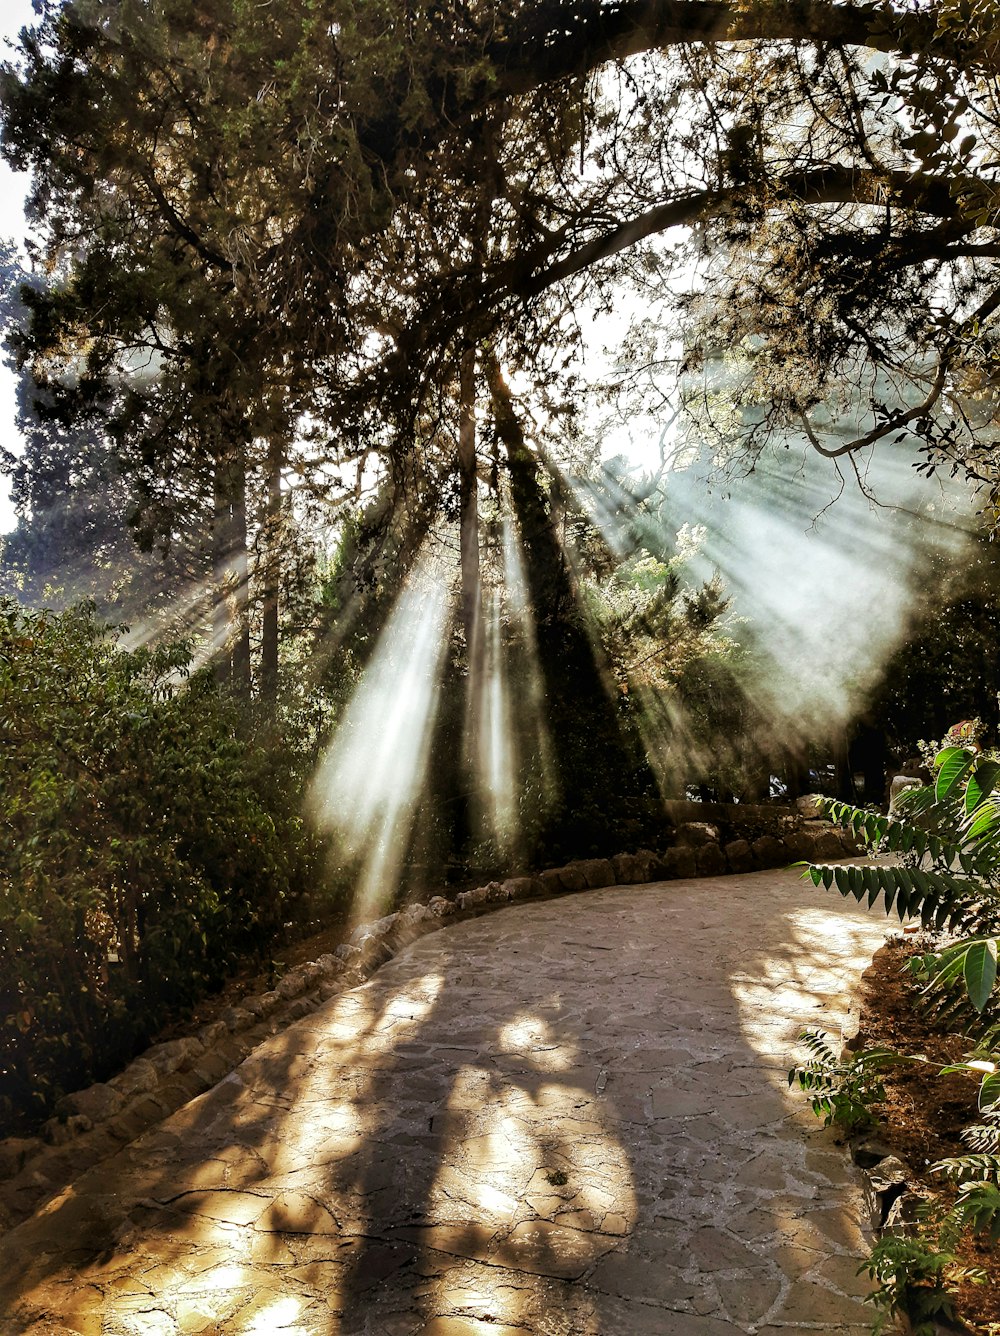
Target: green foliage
842	1092
148	846
947	839
947	836
912	1277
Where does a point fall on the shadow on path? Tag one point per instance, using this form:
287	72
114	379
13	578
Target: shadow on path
568	1118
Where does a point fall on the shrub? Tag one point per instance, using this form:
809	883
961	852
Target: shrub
147	846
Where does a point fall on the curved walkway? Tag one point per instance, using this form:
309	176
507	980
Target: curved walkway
567	1118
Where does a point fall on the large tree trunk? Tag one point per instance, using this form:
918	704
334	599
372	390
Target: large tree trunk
601	772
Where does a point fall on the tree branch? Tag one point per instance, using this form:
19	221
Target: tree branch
556	44
824	185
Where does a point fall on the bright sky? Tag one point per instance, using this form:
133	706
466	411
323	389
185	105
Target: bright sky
14	14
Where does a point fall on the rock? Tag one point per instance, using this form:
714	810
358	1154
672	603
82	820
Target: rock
96	1103
232	1020
177	1055
710	861
15	1152
828	845
411	921
884	1183
474	899
633	869
552	881
376	951
903	1216
679	862
850	845
572	877
291	985
61	1131
329	963
696	834
345	952
869	1149
739	856
801	844
769	852
379	928
810	805
440	907
138	1078
899	785
211	1034
597	871
524	888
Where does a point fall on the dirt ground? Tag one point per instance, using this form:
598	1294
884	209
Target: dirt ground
925	1112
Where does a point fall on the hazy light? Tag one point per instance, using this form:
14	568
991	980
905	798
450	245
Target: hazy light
369	782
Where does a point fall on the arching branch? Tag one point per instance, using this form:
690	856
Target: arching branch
895	423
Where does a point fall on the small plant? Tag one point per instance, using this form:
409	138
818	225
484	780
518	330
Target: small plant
913	1278
841	1092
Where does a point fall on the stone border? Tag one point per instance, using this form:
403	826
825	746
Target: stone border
93	1123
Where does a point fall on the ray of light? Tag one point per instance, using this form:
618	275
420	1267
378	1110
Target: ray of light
369	782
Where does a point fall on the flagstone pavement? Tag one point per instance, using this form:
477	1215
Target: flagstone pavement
565	1118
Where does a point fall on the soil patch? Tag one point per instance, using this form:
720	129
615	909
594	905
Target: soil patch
925	1112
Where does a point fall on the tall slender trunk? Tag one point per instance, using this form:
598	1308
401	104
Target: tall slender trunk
230	616
241	577
469	513
221	539
272	572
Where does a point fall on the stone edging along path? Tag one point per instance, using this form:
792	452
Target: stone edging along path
96	1122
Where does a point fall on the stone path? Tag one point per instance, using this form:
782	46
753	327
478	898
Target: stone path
567	1118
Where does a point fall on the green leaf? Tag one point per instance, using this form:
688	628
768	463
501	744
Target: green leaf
989	1092
986	823
982	782
980	971
952	764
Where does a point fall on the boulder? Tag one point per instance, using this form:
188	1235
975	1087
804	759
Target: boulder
15	1152
96	1103
810	805
739	856
679	862
571	878
524	888
696	834
597	871
474	899
290	985
177	1055
827	846
710	861
768	851
377	928
138	1078
262	1004
635	869
801	844
440	907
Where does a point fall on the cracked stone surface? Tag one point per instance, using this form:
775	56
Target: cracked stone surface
567	1118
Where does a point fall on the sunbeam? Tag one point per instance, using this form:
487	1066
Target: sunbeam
368	783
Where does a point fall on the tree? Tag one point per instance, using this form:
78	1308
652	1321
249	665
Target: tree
375	201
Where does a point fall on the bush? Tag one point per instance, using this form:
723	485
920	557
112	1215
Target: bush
148	847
